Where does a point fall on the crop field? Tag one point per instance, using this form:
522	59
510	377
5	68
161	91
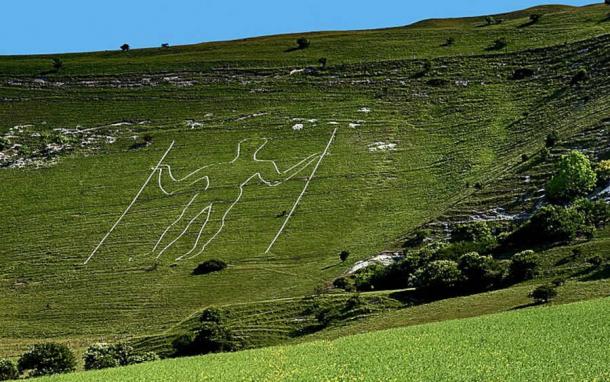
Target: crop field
127	170
533	344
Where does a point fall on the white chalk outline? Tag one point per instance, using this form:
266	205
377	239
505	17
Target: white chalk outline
332	137
130	204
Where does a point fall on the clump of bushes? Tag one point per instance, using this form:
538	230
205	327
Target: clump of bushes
580	76
522	73
499	44
551	139
479	272
8	370
438	277
523	266
47	359
102	356
212	336
303	43
209	266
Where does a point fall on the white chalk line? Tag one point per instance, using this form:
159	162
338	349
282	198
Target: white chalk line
130	204
296	203
175	222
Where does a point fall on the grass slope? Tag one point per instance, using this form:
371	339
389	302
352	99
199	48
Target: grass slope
564	343
473	127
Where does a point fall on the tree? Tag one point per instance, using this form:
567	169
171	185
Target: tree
209	266
479	271
500	43
534	18
450	41
543	294
473	232
57	64
523	266
125	47
552	224
439	276
8	370
323	61
551	139
574	178
47	359
303	43
344	255
603	172
100	356
214	337
596	213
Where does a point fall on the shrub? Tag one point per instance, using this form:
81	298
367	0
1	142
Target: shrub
551	139
143	357
437	82
125	47
364	279
214	338
57	64
522	73
47	359
552	224
543	294
579	77
439	276
479	271
523	266
183	345
449	42
573	178
209	266
100	356
353	302
596	213
500	43
8	370
327	315
474	232
603	172
534	18
303	43
322	61
344	255
211	315
596	261
343	283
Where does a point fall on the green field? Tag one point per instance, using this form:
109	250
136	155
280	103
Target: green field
545	344
416	125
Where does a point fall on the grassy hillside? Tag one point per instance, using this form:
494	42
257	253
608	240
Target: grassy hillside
534	344
411	137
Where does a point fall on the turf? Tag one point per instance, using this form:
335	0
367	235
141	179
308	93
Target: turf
535	344
473	126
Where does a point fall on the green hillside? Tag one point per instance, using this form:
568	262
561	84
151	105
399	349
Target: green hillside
547	344
393	134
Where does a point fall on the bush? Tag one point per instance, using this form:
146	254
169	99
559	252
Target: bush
603	172
47	359
479	272
498	44
209	266
596	261
211	315
596	213
322	61
125	47
214	338
143	357
8	370
534	18
183	345
343	283
303	43
57	64
344	255
579	77
100	356
449	42
523	266
472	232
543	294
551	139
552	224
522	73
327	315
439	276
573	178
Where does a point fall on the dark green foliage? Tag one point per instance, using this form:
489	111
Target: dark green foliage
472	232
211	315
47	359
490	20
480	272
523	266
303	43
535	17
8	370
551	139
438	277
553	224
327	315
209	266
125	47
574	178
449	42
558	282
322	61
437	82
596	261
543	294
499	44
182	345
57	64
353	302
419	236
102	356
522	73
344	255
580	76
343	283
210	337
524	157
596	213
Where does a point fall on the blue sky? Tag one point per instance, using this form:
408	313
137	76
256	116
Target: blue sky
51	26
